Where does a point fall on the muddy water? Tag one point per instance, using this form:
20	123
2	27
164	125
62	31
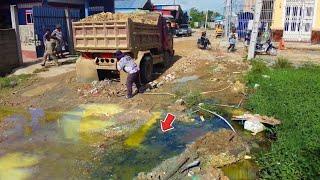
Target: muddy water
245	169
34	147
125	162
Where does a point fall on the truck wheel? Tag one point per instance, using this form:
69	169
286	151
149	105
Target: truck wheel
146	68
167	59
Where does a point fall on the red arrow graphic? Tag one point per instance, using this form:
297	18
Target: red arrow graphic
166	124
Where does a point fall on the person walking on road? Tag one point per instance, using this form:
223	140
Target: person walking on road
232	42
127	64
50	46
45	35
58	35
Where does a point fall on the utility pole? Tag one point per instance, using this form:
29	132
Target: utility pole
205	25
227	17
255	29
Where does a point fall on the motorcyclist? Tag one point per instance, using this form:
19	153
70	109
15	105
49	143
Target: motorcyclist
204	40
247	38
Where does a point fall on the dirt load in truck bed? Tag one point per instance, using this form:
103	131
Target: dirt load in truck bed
140	17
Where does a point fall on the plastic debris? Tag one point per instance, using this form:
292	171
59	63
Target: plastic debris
254	126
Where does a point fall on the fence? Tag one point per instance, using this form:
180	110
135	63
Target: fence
291	20
8	51
242	12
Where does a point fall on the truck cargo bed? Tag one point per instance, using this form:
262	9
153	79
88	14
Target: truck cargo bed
112	35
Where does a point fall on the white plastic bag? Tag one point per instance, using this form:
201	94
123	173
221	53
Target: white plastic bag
254	126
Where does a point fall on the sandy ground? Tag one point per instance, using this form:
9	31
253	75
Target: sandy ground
67	65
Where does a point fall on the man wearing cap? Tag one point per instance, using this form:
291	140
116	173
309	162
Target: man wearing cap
57	34
127	64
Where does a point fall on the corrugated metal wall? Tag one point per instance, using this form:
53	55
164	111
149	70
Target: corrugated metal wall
244	9
48	18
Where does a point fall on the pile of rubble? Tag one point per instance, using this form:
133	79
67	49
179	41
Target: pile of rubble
106	88
140	17
157	84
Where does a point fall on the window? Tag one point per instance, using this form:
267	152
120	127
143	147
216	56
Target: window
307	27
293	26
295	11
29	18
309	11
288	11
286	26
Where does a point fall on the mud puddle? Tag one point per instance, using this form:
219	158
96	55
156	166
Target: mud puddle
65	148
125	160
33	147
245	169
186	79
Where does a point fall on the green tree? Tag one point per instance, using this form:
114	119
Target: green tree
200	16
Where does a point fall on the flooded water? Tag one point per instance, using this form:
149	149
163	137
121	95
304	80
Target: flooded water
245	169
34	147
186	79
125	162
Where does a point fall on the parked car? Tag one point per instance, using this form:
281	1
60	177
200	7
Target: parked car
184	30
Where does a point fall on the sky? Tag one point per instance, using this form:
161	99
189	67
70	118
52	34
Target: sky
216	5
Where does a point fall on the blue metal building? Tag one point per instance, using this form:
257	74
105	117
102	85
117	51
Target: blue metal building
46	14
127	6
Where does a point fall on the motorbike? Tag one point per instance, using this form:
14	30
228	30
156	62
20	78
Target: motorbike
266	48
204	43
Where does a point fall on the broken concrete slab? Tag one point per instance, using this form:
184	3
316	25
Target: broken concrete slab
256	117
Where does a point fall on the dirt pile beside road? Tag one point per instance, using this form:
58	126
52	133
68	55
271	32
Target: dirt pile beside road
203	158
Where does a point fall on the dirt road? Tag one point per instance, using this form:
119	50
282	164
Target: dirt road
65	129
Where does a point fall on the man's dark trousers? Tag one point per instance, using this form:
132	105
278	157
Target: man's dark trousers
133	78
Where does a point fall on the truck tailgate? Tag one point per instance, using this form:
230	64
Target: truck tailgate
100	35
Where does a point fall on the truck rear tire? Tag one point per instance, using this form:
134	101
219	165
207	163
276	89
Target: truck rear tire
146	68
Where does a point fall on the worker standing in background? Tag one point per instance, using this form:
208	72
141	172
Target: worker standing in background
127	64
58	35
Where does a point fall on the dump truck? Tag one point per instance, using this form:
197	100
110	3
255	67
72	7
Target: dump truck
143	36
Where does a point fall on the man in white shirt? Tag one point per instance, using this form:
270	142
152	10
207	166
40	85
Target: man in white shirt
127	64
58	35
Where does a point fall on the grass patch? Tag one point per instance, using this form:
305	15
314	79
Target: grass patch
12	81
40	70
193	99
293	96
282	63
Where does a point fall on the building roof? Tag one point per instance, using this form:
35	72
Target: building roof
130	4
